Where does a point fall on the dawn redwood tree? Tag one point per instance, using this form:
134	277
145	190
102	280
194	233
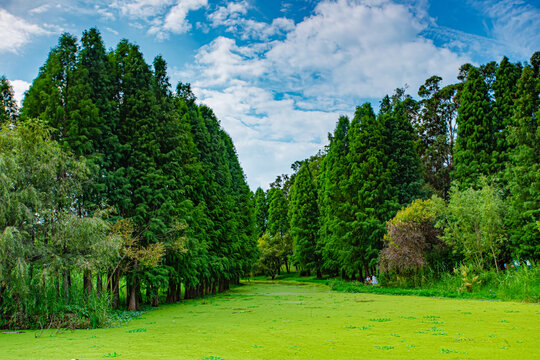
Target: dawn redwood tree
9	110
304	221
333	198
475	140
373	197
397	115
261	211
505	93
523	171
278	223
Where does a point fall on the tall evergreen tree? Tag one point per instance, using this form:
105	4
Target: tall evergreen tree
475	141
304	221
333	198
397	118
523	173
373	197
9	111
505	92
261	211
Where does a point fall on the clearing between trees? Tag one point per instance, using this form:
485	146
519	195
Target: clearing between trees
280	320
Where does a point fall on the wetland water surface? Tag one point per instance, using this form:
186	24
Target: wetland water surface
301	321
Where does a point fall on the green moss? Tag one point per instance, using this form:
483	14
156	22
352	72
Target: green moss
328	325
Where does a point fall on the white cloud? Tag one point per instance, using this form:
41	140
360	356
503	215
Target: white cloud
176	21
515	25
162	17
279	99
224	15
15	32
40	9
141	9
232	17
19	87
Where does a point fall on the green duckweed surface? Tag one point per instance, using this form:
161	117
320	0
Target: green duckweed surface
301	321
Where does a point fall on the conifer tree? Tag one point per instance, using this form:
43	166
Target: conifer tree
505	91
333	198
475	140
261	211
523	173
407	174
9	110
304	221
373	197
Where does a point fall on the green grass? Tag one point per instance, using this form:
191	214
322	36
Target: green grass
265	320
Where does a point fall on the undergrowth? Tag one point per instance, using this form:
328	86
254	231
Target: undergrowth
511	285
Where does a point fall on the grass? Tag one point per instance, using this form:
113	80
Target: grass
522	285
264	320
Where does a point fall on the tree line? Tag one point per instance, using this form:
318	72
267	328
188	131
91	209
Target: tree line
112	186
426	184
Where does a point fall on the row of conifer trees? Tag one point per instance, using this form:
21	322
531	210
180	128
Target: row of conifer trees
156	163
330	216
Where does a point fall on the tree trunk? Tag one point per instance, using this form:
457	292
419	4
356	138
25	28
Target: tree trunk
155	297
319	273
99	284
172	292
115	289
287	266
65	285
133	303
87	282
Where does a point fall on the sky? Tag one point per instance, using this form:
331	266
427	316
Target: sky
279	73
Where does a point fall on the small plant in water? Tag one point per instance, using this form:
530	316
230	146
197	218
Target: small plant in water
136	330
467	277
384	347
380	319
110	355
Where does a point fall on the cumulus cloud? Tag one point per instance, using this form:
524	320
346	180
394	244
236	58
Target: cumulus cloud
17	32
279	99
19	88
141	9
162	17
232	17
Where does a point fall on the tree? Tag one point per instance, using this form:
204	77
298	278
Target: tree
523	171
9	111
475	140
412	240
436	128
474	225
278	223
332	195
397	115
261	211
373	198
304	221
43	239
505	92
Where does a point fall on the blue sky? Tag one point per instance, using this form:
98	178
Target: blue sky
278	73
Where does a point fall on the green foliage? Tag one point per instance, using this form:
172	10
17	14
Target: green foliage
9	110
436	128
474	225
475	142
523	171
304	220
44	239
412	239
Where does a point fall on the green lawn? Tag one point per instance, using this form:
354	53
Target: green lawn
301	321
